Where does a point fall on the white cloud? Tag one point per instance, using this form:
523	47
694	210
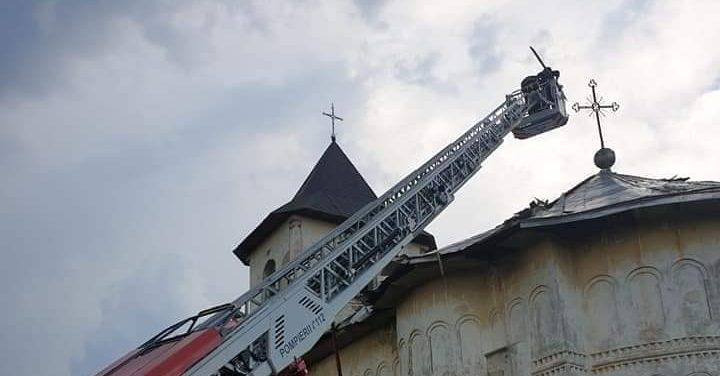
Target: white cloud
168	139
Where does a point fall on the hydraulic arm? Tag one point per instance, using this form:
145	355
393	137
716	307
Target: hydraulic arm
265	329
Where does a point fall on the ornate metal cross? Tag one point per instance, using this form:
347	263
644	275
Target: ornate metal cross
596	107
332	117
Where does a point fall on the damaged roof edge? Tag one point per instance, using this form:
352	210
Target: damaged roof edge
527	219
600	195
619	208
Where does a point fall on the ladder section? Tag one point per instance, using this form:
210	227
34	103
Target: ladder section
410	206
334	270
373	226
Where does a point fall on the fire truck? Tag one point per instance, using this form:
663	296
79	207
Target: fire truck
268	329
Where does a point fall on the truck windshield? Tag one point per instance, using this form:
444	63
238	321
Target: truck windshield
184	327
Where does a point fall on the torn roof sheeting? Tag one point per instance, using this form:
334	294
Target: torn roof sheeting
602	194
608	193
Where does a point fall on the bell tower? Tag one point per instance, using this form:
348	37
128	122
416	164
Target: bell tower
332	192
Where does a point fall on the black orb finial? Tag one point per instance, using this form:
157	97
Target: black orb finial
604	158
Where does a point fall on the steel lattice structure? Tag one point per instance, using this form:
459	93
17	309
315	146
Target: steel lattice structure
265	329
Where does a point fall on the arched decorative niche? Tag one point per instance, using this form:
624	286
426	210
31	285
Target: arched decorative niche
601	312
517	320
689	284
646	302
519	356
295	237
402	362
472	345
497	329
441	349
419	357
383	370
546	329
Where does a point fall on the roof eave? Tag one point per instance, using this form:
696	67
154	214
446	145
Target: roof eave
270	223
619	208
276	218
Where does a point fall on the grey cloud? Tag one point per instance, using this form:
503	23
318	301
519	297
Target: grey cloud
114	221
419	71
482	46
95	247
370	8
540	41
622	16
145	303
714	84
42	37
106	242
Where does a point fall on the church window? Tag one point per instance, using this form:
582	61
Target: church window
269	268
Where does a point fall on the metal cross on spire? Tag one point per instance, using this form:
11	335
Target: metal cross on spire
596	107
605	157
332	117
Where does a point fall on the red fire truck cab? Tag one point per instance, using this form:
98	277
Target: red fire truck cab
174	350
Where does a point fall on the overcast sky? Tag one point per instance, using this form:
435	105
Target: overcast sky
141	140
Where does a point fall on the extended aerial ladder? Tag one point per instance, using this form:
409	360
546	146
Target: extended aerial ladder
267	328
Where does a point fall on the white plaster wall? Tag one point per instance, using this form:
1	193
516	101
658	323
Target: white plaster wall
636	298
279	244
486	322
651	291
290	238
442	327
370	355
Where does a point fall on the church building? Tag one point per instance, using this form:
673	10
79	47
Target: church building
332	192
618	276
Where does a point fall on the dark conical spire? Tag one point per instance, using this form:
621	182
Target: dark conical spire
333	191
334	187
